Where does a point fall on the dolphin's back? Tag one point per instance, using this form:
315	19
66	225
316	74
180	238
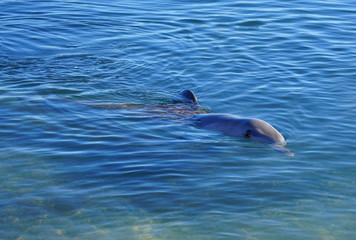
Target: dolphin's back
222	122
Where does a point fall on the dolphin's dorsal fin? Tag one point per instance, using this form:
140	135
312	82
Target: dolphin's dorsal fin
189	95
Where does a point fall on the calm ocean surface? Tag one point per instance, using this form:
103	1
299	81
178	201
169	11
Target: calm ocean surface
71	171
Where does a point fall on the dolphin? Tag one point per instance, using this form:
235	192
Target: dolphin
252	128
187	107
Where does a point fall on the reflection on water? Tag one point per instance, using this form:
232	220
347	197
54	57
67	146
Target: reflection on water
71	171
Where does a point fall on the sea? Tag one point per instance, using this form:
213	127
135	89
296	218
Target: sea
83	156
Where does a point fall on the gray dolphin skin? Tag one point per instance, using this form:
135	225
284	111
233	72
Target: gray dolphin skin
253	128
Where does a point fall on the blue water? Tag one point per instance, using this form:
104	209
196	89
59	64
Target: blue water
71	171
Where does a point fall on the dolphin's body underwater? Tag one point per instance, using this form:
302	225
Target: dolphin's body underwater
253	128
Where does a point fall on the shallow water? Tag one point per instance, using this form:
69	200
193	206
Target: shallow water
71	171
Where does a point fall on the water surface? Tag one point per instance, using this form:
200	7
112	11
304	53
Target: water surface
70	171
